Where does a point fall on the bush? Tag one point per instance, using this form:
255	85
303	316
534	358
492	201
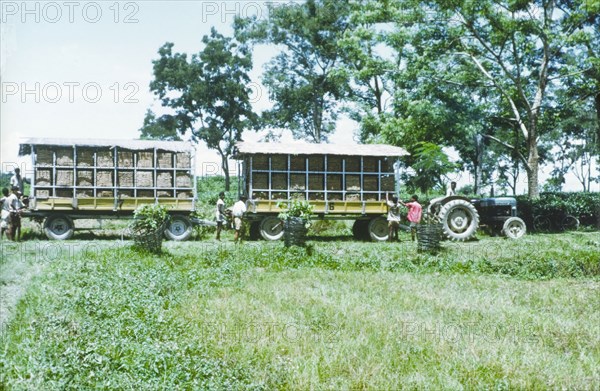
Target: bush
209	188
148	218
584	206
148	226
295	208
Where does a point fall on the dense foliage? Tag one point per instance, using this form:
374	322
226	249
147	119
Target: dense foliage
295	208
507	87
149	217
584	206
5	180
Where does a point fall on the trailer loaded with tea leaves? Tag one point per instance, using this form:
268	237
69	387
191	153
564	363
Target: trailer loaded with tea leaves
108	179
339	182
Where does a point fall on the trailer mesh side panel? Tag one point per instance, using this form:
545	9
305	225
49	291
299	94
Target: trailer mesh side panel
319	177
104	159
110	171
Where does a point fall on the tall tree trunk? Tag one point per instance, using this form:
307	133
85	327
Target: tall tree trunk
378	95
533	189
225	167
597	104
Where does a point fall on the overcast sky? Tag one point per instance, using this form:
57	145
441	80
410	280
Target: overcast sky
82	69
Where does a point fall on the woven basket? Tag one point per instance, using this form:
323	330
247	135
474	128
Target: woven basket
149	240
294	232
428	237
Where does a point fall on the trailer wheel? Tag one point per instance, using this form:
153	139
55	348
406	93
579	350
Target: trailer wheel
570	223
360	229
378	229
541	224
58	227
459	219
514	228
271	228
179	228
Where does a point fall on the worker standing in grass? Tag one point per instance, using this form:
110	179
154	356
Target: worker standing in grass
415	210
11	214
238	210
16	207
5	218
393	217
220	212
17	181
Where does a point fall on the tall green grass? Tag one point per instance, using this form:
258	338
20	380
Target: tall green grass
492	314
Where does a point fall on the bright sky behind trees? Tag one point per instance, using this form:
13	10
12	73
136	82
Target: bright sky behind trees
81	69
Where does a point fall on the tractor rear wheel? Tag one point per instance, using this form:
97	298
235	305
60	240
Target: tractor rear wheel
459	219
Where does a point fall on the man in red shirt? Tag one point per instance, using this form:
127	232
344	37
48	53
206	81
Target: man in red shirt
414	214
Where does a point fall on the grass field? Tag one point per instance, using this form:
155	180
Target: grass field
490	314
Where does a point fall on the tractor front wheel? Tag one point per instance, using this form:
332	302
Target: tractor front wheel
514	228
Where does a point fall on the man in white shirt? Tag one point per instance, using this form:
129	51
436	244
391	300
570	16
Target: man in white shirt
451	189
238	210
393	217
5	214
17	181
15	206
220	214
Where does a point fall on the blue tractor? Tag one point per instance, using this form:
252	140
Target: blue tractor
460	217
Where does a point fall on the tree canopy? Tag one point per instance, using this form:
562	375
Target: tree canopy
508	85
303	79
208	95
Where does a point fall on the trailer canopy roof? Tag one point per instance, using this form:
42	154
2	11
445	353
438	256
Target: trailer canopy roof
136	145
301	148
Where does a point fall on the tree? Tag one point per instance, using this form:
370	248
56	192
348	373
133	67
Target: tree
302	79
521	50
508	174
577	128
208	94
575	146
369	66
162	128
401	93
431	166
